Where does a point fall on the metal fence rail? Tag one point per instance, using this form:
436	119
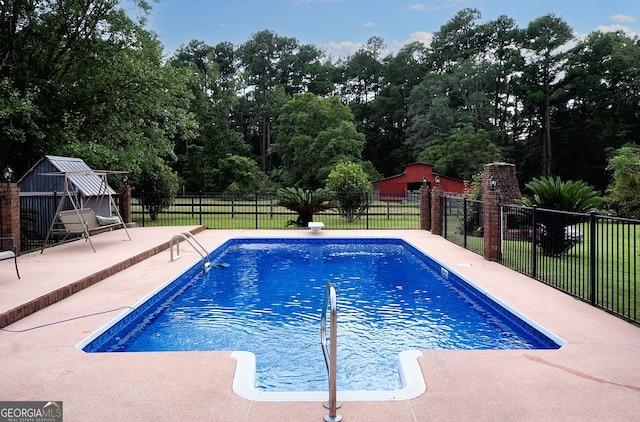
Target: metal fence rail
592	257
260	211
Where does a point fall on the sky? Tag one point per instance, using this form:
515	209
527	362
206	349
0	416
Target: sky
340	27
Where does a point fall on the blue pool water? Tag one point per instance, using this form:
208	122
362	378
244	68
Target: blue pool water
268	301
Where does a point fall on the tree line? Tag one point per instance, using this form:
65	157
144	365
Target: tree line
85	79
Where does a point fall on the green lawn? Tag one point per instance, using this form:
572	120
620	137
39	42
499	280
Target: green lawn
617	266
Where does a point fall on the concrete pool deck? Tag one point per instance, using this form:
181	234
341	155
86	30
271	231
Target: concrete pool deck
595	376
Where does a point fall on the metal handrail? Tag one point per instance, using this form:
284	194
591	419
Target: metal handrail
330	357
175	240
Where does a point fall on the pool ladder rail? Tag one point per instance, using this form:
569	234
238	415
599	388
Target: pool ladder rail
197	246
330	357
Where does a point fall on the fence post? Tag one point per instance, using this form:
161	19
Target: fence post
256	210
125	203
425	212
593	257
534	243
491	188
10	208
499	184
367	210
200	206
464	221
142	205
436	210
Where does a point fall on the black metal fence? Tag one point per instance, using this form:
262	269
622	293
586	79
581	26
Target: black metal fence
36	214
463	222
592	257
261	211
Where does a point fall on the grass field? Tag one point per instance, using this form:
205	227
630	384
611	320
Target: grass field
614	262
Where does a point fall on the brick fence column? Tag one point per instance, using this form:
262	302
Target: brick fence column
125	203
436	210
506	191
425	211
10	209
491	218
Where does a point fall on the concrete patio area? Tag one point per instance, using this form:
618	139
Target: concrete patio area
594	377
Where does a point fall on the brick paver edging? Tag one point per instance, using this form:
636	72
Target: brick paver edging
26	309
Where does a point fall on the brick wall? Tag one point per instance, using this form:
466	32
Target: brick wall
125	203
425	211
506	191
436	210
10	209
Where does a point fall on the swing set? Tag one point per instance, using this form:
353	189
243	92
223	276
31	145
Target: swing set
82	221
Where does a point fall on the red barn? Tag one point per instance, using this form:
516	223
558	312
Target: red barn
407	184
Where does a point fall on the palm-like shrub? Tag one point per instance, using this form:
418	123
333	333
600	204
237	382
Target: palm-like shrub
554	194
305	203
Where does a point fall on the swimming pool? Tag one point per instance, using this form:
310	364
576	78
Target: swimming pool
391	297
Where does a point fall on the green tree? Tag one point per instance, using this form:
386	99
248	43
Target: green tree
157	186
314	134
444	101
545	35
273	63
351	187
90	82
502	52
554	194
461	152
213	88
234	173
597	104
362	72
386	121
456	41
305	202
622	193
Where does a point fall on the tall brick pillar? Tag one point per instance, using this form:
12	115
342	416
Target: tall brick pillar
10	209
425	210
125	203
506	191
436	210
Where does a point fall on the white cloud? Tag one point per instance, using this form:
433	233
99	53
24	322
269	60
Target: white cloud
622	18
369	24
417	6
423	37
422	7
344	48
616	28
